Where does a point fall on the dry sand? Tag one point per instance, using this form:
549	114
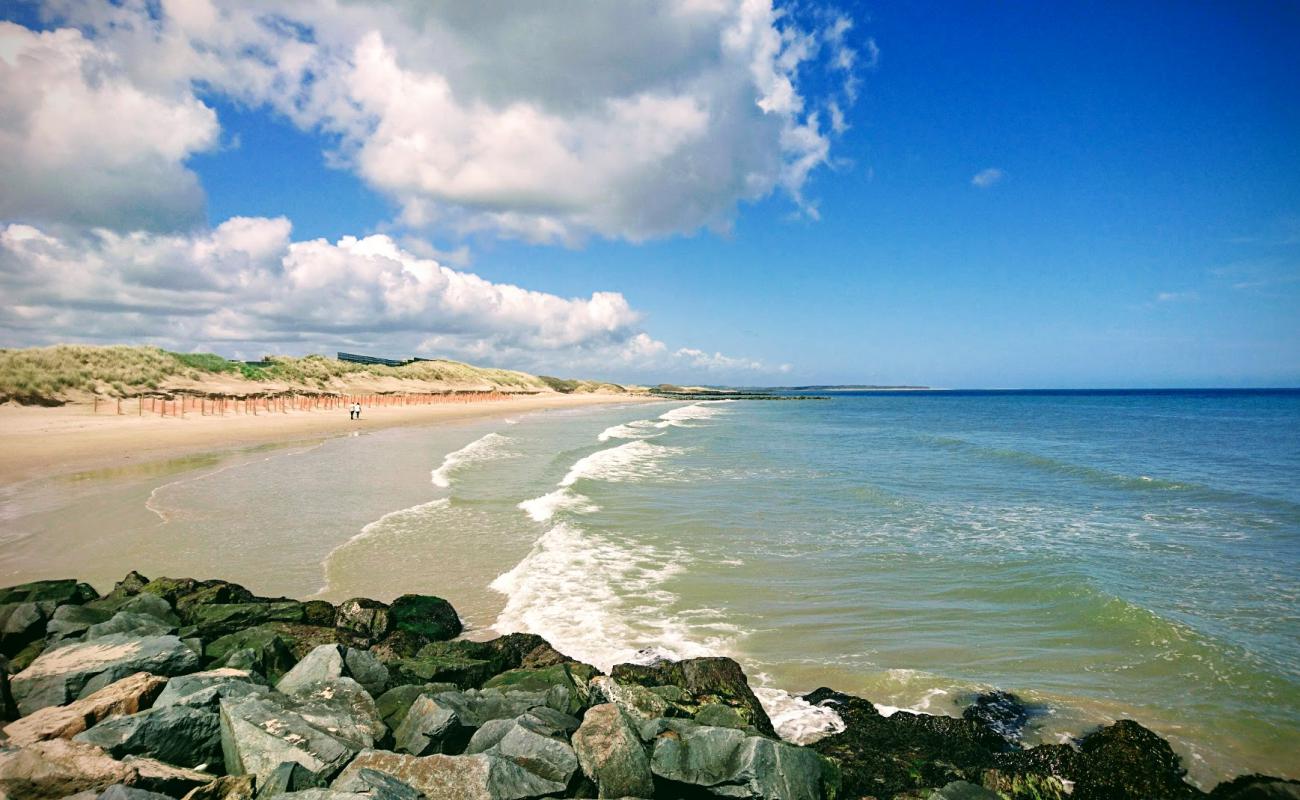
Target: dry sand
37	442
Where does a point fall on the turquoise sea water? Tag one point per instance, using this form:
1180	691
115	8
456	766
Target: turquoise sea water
1101	554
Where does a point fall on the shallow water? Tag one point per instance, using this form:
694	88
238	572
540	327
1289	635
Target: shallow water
1130	554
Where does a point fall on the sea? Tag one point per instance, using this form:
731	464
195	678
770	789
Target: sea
1101	554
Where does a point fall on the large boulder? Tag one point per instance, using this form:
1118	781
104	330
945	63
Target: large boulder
611	754
332	661
637	702
1128	760
429	727
126	696
376	785
176	734
394	704
227	787
51	593
72	622
25	609
424	615
258	734
1257	787
571	678
76	670
730	762
264	649
210	622
58	767
1002	712
884	756
706	680
367	620
341	707
129	623
440	777
535	741
20	625
205	690
466	664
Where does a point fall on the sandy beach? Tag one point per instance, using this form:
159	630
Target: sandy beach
37	441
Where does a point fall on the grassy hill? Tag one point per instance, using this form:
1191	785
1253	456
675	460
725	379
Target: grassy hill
69	373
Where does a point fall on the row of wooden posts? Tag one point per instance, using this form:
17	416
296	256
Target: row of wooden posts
220	405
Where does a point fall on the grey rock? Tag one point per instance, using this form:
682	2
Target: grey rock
332	661
258	734
206	689
530	742
121	792
475	707
394	704
78	669
21	624
340	707
470	777
961	790
323	794
636	701
227	787
71	622
290	776
152	605
130	624
366	619
376	785
611	755
730	762
180	735
428	728
267	653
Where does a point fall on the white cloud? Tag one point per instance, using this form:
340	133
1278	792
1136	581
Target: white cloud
246	286
987	177
1176	297
629	120
81	142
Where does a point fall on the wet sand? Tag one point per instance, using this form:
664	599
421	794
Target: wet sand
40	442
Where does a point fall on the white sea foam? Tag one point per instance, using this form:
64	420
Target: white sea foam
637	429
795	719
600	599
403	516
627	462
682	417
543	508
485	448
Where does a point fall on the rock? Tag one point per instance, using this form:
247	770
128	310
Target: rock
340	707
533	743
706	680
318	612
446	662
186	593
72	622
1127	760
175	734
476	707
130	624
637	702
20	625
366	619
428	728
439	777
376	785
1025	786
543	680
126	696
1002	712
75	670
610	754
261	648
424	615
129	586
884	756
214	621
332	661
258	734
55	593
205	690
228	787
718	715
731	762
962	790
8	708
121	792
1257	787
290	776
58	767
394	704
149	604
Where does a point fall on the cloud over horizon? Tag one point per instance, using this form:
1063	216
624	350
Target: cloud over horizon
247	286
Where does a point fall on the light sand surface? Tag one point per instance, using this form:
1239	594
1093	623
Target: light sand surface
37	442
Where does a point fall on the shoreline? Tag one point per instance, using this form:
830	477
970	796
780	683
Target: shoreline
41	442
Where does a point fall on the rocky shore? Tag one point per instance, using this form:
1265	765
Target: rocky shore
179	688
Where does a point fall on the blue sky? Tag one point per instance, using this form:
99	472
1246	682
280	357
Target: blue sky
1137	222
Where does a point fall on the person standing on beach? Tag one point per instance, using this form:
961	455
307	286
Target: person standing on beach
356	411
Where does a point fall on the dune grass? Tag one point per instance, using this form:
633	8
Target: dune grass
52	375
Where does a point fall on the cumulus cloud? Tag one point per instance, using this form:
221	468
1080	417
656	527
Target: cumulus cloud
82	142
987	177
551	123
247	286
